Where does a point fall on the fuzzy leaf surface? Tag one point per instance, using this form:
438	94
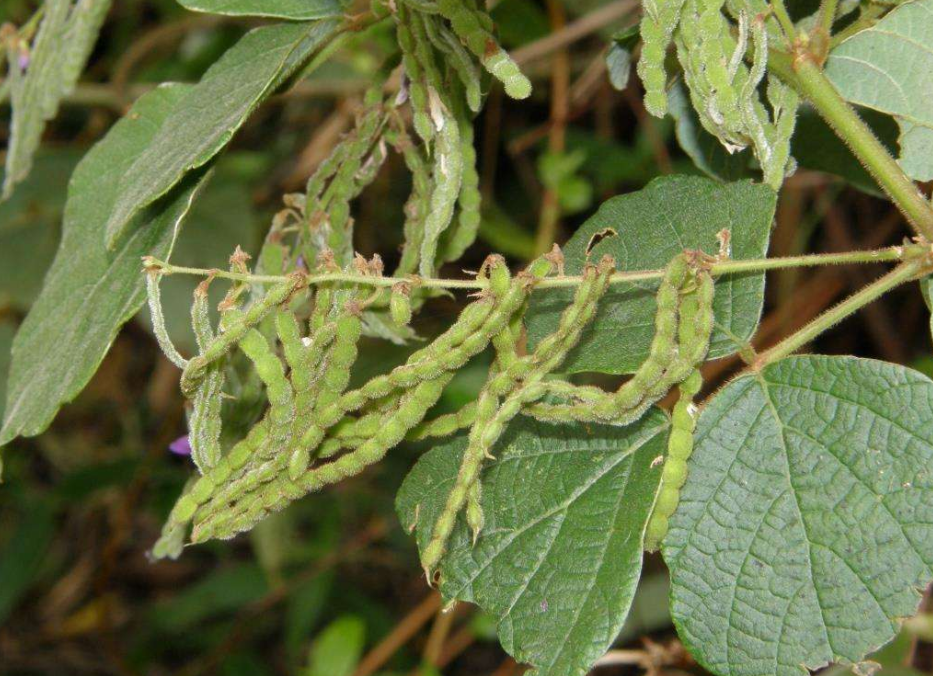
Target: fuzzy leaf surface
805	530
90	292
560	555
889	67
300	10
210	113
644	230
43	74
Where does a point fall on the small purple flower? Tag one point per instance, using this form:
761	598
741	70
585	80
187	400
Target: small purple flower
181	446
23	61
300	263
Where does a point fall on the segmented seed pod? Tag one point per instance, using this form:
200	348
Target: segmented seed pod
447	179
236	329
414	73
657	27
153	277
400	303
469	202
279	390
419	201
679	449
458	59
204	423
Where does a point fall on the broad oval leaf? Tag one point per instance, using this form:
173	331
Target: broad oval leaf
889	67
90	292
560	555
211	111
301	10
805	530
644	230
42	74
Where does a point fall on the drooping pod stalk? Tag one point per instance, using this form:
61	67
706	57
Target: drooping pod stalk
676	349
280	491
471	27
334	378
153	277
234	331
491	418
657	26
414	72
204	424
674	473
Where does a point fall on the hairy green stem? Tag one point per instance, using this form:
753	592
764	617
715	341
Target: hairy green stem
802	73
887	254
902	273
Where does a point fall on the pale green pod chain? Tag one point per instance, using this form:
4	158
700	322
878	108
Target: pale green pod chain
278	388
458	239
153	277
471	26
333	381
784	104
225	522
419	201
448	160
491	418
470	335
414	74
669	359
458	59
674	472
657	27
172	538
204	423
234	330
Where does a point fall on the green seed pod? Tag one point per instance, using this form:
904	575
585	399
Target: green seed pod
418	204
447	177
469	27
474	510
417	81
400	303
205	423
153	278
235	330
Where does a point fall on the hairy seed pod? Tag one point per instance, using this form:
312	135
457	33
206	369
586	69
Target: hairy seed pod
469	201
418	204
234	331
270	370
445	425
153	278
447	177
288	331
474	510
400	304
459	60
469	27
204	424
417	80
657	27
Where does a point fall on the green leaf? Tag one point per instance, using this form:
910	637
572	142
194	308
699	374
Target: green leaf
804	534
300	10
207	117
337	650
644	230
7	331
30	222
889	67
89	291
41	75
619	56
560	556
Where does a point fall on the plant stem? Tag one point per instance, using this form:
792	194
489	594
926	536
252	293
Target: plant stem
828	9
834	315
888	254
783	17
816	87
